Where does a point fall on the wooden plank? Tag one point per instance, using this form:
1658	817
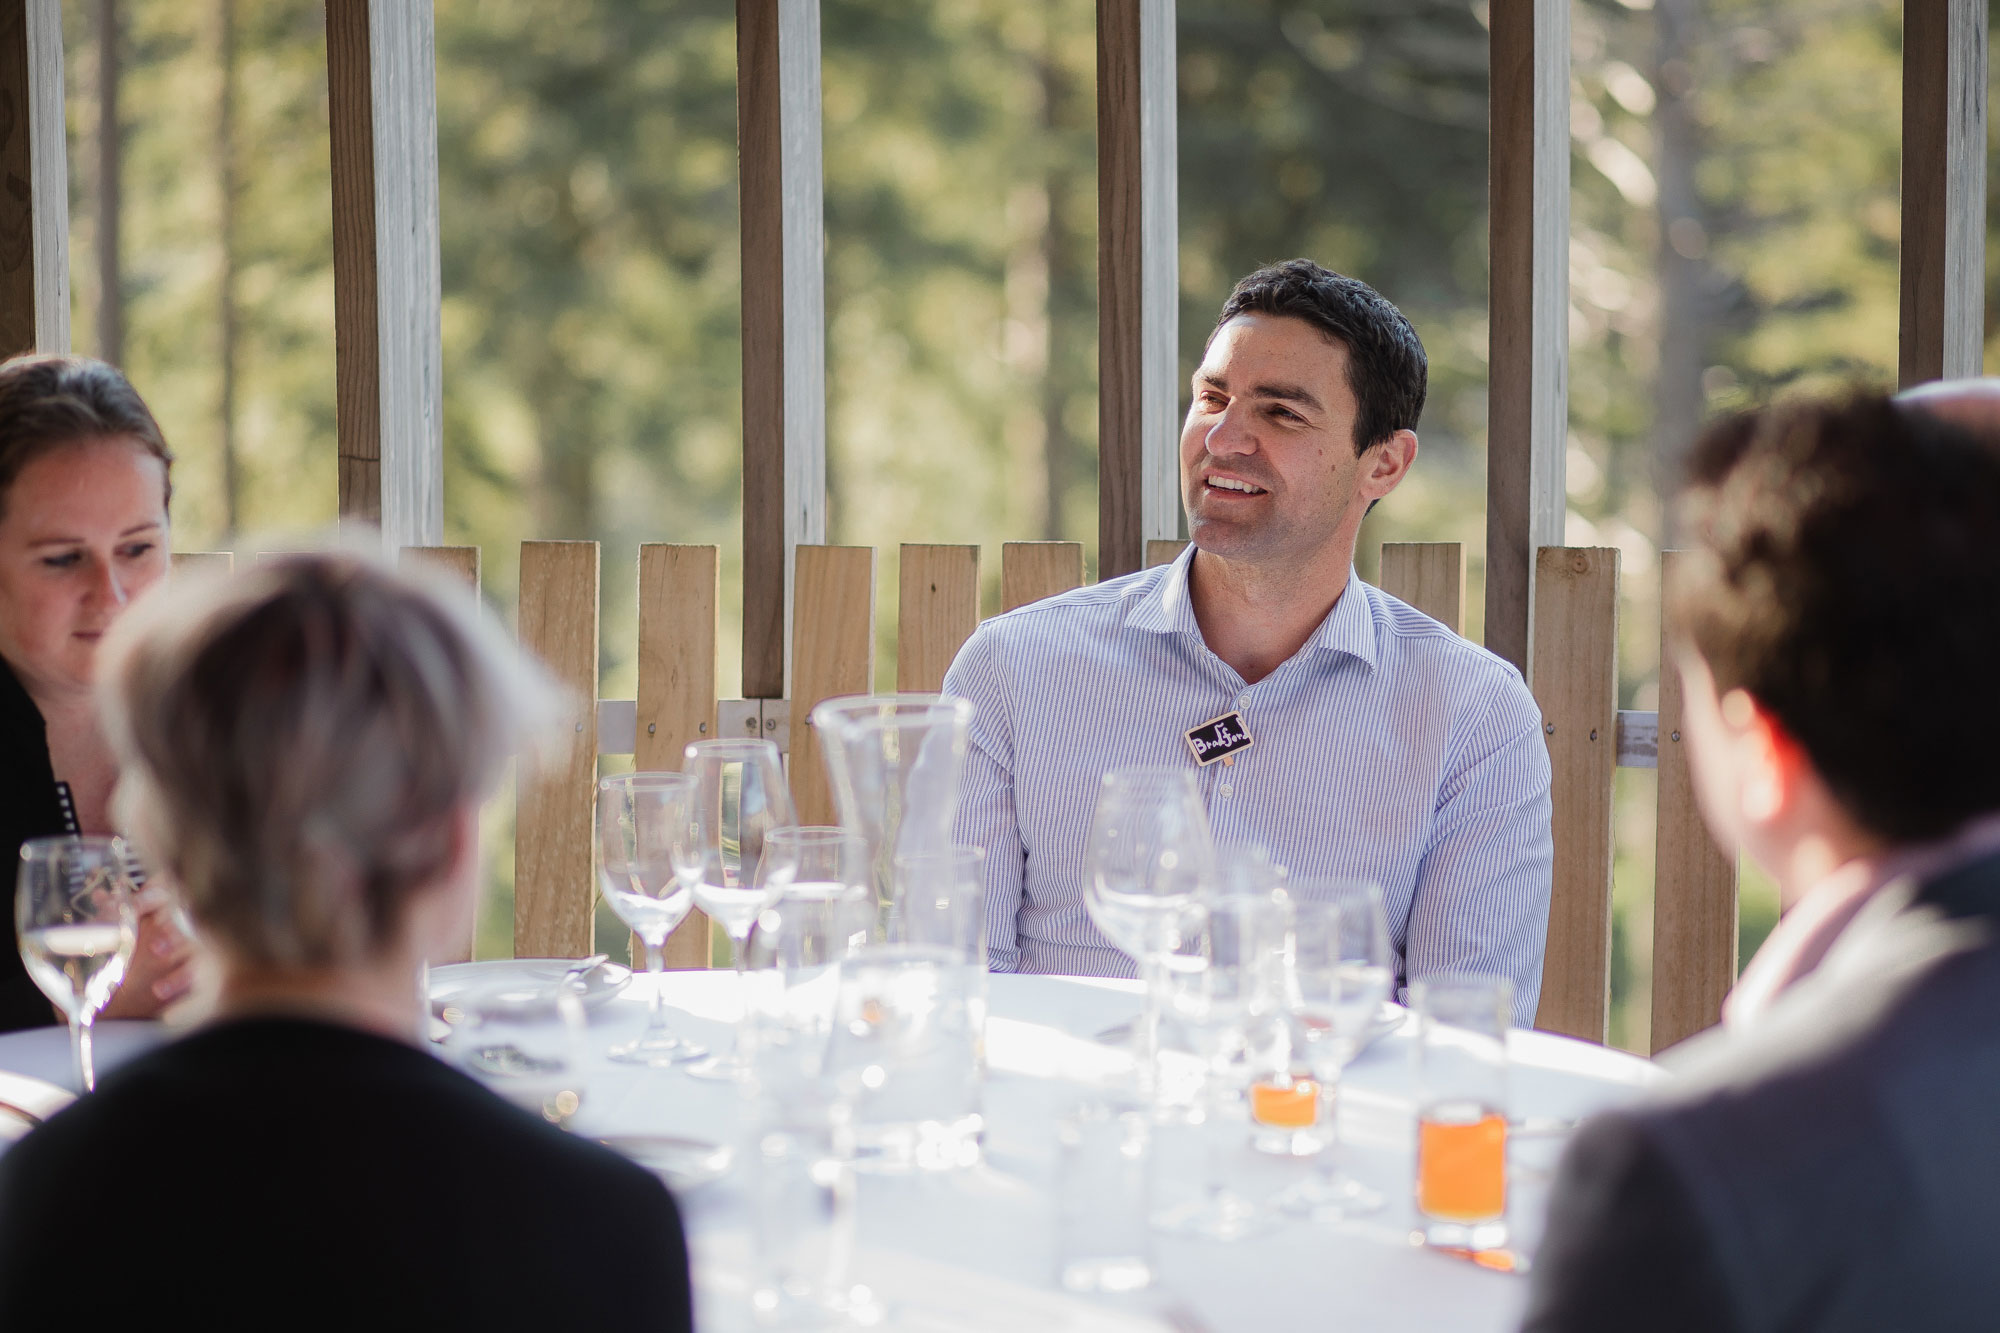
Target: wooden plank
554	835
1163	550
1138	282
1030	571
1694	883
1576	683
937	609
833	653
387	298
203	562
460	562
680	599
1429	576
1944	190
34	159
1527	389
784	318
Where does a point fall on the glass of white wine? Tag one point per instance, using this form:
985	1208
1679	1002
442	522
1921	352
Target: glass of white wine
74	916
740	797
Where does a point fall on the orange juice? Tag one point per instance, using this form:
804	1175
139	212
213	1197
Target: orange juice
1462	1163
1289	1105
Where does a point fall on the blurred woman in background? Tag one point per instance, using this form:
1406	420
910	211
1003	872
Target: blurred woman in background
83	530
304	748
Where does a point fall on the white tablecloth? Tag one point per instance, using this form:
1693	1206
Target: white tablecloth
920	1235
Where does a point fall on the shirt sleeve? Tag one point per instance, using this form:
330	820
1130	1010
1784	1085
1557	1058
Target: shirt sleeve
986	816
1624	1248
1481	902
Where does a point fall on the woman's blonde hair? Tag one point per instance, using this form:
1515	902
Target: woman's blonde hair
297	740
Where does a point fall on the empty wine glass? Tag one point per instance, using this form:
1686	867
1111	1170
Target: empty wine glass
740	798
75	918
1148	857
1341	972
645	831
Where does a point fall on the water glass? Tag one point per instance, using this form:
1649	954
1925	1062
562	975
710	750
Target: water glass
905	1050
803	1226
820	911
646	831
527	1044
1104	1193
1461	1185
76	921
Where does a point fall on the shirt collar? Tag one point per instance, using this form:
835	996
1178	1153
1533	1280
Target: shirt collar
1165	608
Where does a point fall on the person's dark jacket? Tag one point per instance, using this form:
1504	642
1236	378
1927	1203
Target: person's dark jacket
28	809
283	1173
1836	1168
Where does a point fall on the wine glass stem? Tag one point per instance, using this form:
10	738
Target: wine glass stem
1329	1116
1148	1045
79	1050
738	946
656	1009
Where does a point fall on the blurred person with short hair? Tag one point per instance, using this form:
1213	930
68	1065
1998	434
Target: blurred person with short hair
84	485
305	747
1825	1160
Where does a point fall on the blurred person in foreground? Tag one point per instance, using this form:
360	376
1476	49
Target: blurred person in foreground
1826	1158
305	746
83	530
1374	741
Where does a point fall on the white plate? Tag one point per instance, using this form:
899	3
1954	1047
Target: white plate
1387	1020
601	984
684	1164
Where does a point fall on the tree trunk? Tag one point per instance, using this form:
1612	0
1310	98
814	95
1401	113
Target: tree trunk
225	154
1687	285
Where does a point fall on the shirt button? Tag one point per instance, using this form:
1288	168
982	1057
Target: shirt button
1226	789
1242	701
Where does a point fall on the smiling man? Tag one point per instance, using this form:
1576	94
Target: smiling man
1342	730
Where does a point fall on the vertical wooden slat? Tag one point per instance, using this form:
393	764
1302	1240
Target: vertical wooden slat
1138	268
937	601
34	161
1528	308
784	318
461	563
1944	190
1576	684
553	833
833	653
1694	883
1163	550
680	599
381	74
203	562
1030	571
1429	576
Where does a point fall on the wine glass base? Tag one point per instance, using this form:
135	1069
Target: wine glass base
658	1052
1329	1199
1221	1216
719	1069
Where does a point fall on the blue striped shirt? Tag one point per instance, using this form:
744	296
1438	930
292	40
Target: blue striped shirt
1387	748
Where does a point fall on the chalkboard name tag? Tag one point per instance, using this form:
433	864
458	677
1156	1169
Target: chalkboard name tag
1219	738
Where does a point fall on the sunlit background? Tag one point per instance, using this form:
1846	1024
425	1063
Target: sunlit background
1734	238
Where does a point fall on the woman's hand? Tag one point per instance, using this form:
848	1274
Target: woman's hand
162	966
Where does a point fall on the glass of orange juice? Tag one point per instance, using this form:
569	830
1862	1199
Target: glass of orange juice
1461	1184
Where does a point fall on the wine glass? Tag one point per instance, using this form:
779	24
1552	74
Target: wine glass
76	921
1149	856
740	798
645	828
1341	972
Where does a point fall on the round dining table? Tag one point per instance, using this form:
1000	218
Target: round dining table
973	1249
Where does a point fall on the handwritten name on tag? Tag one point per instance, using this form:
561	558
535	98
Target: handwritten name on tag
1219	738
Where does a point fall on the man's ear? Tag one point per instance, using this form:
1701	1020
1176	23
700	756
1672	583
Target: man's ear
1385	464
1773	764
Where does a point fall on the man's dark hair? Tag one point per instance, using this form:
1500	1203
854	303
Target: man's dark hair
49	402
1845	573
1386	365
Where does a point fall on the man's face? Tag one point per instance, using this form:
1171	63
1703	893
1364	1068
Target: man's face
1268	469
